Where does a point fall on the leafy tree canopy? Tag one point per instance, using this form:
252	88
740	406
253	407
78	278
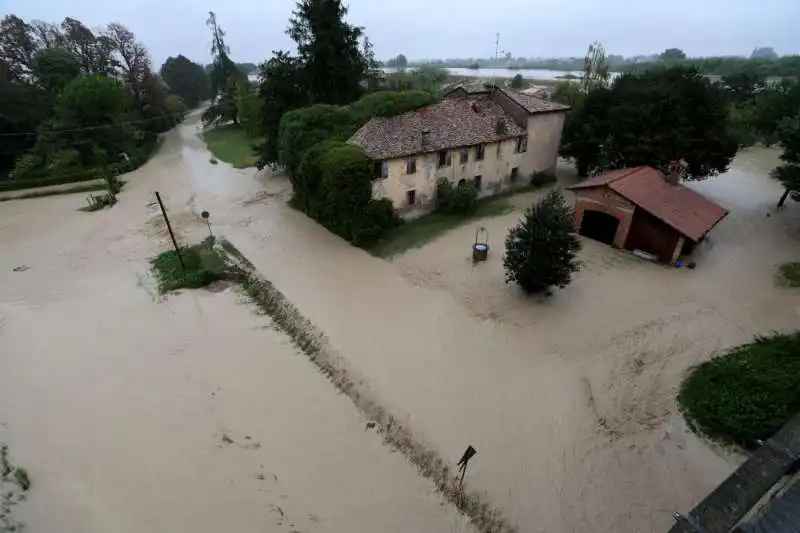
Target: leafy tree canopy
187	79
788	172
764	52
517	82
673	54
653	118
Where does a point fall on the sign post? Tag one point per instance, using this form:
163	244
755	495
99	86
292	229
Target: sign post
169	228
462	465
205	215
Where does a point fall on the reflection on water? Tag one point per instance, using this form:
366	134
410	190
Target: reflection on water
569	401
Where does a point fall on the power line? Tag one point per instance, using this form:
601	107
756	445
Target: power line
88	128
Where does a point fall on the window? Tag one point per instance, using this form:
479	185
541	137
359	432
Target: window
411	197
514	174
478	182
464	156
462	182
411	165
381	169
479	152
522	144
444	158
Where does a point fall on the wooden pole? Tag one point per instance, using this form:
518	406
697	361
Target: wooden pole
169	228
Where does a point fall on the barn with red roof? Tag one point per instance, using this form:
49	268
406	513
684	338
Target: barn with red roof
643	209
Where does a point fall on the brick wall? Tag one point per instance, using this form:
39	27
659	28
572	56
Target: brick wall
606	201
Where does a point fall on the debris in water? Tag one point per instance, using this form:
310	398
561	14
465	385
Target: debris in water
370	424
213	161
226	439
260	477
21	268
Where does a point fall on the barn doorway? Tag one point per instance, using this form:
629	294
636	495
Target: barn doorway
599	226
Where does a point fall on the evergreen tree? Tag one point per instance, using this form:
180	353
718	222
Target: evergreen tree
541	252
224	77
334	62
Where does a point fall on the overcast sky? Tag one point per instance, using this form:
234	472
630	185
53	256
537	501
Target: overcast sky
451	28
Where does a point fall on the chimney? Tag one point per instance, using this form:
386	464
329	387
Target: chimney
673	176
425	138
501	126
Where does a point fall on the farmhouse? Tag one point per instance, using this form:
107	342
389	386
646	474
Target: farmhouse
496	138
643	209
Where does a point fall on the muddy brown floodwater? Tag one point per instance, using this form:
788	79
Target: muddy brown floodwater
123	405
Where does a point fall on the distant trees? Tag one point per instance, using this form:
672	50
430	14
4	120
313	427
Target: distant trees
517	82
763	52
397	62
225	79
672	55
187	79
57	78
425	77
541	251
653	118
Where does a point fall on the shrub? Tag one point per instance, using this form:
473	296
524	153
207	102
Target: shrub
746	394
541	252
201	267
28	166
458	200
517	82
22	479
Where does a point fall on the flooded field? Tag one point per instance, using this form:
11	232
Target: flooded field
122	406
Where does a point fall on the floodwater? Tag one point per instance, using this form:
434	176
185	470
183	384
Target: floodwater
119	404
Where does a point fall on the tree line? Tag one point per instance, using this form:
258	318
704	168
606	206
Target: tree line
77	102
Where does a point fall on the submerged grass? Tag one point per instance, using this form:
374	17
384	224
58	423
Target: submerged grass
789	274
231	144
202	265
426	228
311	341
746	394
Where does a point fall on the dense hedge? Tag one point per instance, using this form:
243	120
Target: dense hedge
138	157
333	185
331	180
746	394
456	200
303	128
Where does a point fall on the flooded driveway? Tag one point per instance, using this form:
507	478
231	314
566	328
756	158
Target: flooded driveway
569	401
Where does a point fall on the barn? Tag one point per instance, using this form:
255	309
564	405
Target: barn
643	209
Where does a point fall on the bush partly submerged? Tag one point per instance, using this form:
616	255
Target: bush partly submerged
202	265
746	394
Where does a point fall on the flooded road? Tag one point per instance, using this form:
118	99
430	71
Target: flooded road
569	401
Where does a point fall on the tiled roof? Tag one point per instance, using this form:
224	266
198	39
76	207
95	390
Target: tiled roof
532	104
689	212
450	123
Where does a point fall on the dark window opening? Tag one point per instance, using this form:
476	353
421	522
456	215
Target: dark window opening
444	158
478	182
381	169
411	165
522	144
462	182
514	174
464	156
411	197
599	226
479	152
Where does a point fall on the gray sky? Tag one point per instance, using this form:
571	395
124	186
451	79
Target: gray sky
451	28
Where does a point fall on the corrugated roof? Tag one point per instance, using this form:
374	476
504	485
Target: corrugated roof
689	212
450	123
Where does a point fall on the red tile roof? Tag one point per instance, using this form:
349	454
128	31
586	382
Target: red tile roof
689	212
450	123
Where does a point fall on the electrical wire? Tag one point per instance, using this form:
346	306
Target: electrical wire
89	128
